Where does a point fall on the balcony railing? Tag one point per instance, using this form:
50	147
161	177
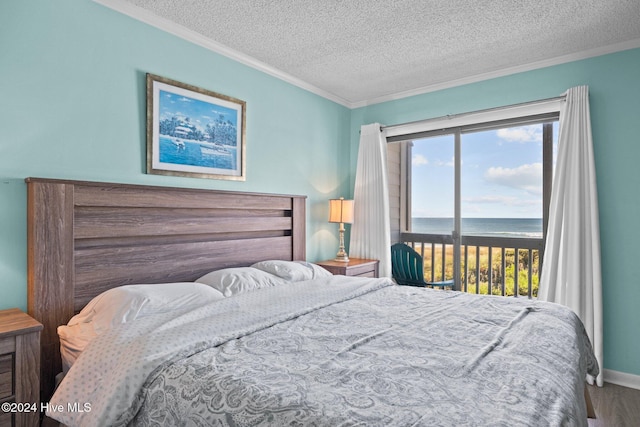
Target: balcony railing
488	265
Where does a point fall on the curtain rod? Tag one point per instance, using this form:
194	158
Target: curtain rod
487	110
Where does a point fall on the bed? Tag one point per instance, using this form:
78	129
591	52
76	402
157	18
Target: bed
312	351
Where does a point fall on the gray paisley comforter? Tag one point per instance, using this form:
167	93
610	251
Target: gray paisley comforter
338	352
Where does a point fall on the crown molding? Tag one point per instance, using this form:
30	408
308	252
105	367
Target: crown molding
613	48
171	27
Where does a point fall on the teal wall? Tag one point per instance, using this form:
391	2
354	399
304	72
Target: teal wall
73	106
614	86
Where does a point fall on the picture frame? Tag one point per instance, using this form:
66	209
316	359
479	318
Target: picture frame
194	132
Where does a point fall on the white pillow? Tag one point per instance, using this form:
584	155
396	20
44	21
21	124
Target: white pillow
232	281
318	271
125	304
293	271
73	340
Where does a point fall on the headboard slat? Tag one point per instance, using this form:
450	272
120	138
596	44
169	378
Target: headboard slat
124	195
119	241
140	224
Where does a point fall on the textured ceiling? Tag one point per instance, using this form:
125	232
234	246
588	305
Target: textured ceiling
363	51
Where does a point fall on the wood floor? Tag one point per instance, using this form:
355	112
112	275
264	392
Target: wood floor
615	406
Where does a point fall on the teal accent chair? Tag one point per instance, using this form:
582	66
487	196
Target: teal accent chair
407	268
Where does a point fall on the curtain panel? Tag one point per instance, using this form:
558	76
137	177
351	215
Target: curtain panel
571	269
370	232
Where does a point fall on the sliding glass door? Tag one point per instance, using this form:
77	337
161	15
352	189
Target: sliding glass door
477	204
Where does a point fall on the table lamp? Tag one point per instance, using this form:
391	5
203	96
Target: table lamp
341	211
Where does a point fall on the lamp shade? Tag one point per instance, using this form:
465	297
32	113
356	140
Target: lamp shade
341	210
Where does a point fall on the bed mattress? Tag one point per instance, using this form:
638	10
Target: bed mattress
339	351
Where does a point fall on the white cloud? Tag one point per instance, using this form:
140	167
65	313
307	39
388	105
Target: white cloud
419	160
450	163
525	177
220	113
532	133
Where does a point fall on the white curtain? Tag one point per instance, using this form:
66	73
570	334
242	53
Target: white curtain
571	268
370	232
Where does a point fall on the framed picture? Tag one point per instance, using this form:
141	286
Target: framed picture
194	132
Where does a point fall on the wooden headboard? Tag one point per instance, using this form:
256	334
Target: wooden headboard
86	237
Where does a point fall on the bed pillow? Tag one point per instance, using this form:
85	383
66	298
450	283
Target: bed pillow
233	281
125	304
318	271
293	271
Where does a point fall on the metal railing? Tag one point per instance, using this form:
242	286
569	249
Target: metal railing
488	265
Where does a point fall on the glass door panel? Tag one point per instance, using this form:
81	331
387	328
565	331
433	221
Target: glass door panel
501	199
433	202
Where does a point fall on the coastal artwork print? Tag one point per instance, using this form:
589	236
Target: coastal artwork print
194	132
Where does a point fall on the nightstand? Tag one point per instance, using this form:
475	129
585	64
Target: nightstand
354	267
19	368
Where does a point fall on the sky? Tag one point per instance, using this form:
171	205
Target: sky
198	111
501	174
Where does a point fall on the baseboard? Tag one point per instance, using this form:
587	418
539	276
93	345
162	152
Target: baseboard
622	378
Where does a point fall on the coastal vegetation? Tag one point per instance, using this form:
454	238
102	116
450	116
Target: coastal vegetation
220	130
492	272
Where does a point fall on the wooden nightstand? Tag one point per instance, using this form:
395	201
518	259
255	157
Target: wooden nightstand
19	368
355	267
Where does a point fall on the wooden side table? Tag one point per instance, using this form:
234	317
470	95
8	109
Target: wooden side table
354	267
19	368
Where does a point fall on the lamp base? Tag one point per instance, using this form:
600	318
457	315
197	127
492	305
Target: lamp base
341	258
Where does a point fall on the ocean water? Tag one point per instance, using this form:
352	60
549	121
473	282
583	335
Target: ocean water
191	154
499	227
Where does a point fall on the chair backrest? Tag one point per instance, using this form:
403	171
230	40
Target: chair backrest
407	266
